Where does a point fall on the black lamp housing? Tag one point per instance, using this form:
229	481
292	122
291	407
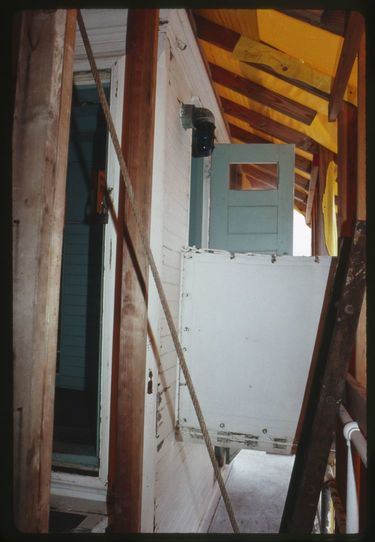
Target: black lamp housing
202	121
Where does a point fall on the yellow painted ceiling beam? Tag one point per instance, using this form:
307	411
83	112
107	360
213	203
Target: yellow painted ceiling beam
322	131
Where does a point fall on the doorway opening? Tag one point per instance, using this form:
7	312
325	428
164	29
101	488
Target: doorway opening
77	395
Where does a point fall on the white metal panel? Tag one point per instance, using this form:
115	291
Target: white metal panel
248	327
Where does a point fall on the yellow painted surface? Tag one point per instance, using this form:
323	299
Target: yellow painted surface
249	50
226	60
320	129
315	46
329	209
245	126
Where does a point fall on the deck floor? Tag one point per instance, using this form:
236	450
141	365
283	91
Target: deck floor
257	486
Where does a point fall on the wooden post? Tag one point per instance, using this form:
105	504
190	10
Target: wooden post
360	366
347	168
333	355
40	149
129	360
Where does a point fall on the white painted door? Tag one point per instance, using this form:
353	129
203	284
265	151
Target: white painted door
248	328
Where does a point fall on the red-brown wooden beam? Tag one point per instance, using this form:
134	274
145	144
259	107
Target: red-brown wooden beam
269	126
227	39
244	136
129	356
262	95
347	167
40	151
332	354
350	47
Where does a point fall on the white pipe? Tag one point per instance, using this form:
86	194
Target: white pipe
358	440
352	515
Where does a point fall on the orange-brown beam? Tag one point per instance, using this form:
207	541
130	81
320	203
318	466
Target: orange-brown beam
127	409
353	35
40	150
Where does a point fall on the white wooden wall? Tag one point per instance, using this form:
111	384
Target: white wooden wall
178	478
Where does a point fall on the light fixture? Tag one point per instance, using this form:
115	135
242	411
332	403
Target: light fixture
202	122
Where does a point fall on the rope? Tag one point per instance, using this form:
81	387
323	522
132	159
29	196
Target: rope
155	274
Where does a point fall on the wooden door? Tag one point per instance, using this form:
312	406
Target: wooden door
252	216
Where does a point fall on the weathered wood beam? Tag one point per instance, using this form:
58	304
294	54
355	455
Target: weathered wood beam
331	20
129	353
333	356
349	51
361	131
312	190
269	126
40	151
262	95
302	181
303	163
227	39
361	340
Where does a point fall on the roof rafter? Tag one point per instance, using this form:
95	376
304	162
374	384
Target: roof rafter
262	95
244	136
269	126
349	52
227	39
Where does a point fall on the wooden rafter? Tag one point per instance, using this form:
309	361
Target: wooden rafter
269	126
227	39
303	163
350	48
262	95
301	184
244	136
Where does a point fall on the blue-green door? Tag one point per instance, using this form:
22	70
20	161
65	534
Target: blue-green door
252	220
76	435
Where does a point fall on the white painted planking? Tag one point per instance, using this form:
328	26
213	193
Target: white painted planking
106	29
249	326
184	484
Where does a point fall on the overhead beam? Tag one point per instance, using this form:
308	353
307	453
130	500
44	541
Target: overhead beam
130	312
40	153
350	48
227	39
236	132
262	95
269	126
